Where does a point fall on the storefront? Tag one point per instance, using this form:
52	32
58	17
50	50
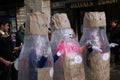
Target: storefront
77	8
8	10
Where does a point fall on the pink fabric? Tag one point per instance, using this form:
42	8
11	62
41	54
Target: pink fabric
68	46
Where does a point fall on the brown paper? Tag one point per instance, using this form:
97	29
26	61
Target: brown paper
94	19
59	21
73	70
44	74
37	23
100	66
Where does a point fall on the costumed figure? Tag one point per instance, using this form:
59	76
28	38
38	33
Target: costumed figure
97	59
36	60
70	65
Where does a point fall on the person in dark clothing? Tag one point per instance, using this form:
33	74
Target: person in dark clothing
114	39
6	49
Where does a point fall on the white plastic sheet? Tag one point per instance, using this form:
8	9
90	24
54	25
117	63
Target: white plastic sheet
70	65
34	48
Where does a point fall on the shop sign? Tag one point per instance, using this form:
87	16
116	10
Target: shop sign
102	2
81	4
91	3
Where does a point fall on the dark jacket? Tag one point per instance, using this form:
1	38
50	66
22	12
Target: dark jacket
114	35
6	49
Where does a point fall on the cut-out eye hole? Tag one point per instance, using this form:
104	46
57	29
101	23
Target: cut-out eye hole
49	29
72	35
96	18
42	25
45	25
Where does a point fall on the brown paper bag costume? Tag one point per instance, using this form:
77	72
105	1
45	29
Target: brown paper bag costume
69	72
99	62
100	66
45	74
94	19
38	24
60	21
73	70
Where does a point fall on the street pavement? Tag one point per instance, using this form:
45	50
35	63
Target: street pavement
114	69
115	72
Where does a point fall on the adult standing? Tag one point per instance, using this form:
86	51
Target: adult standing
20	38
6	49
114	39
20	35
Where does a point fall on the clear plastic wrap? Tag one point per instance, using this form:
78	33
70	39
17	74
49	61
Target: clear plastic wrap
70	65
58	35
97	35
97	62
35	58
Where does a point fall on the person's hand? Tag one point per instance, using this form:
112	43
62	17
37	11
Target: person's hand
7	63
113	45
88	43
96	49
20	47
59	53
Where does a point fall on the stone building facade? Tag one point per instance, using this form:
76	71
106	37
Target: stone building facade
33	5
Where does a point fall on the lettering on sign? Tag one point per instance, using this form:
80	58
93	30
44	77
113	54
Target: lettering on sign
81	4
90	3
